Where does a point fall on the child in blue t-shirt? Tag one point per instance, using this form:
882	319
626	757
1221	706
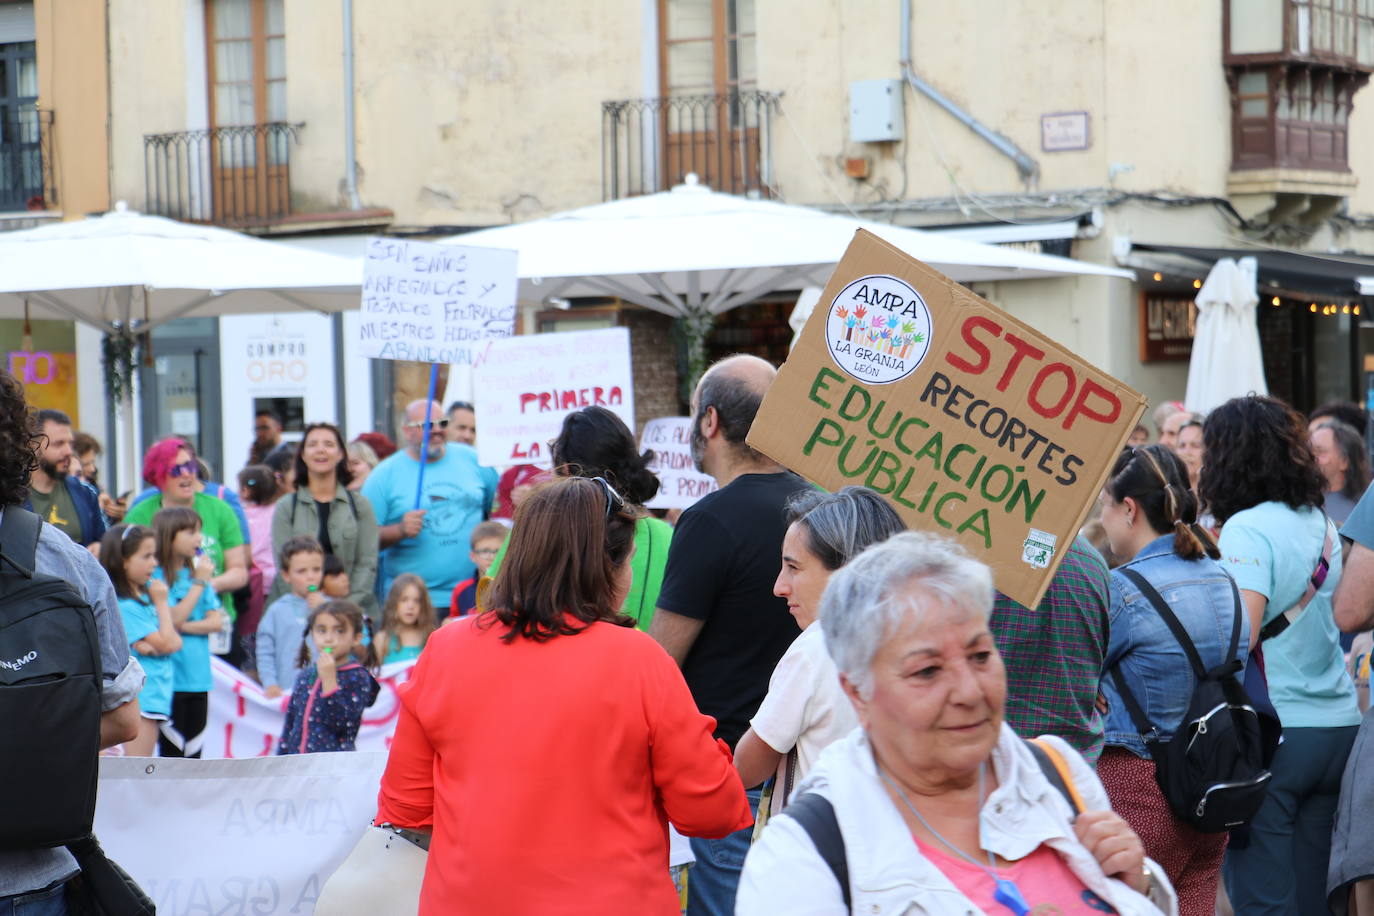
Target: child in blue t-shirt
196	613
127	552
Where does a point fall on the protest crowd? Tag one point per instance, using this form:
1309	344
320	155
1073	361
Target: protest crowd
840	714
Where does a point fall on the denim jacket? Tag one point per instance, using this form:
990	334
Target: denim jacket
1152	662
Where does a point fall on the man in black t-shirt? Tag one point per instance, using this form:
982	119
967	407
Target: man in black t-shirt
717	614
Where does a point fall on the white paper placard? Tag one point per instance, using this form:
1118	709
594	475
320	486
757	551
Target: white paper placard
680	483
434	303
524	387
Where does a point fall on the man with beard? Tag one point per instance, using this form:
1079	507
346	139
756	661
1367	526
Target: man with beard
266	436
58	497
432	539
717	615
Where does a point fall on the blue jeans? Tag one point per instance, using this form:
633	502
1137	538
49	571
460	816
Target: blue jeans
50	901
1282	872
715	876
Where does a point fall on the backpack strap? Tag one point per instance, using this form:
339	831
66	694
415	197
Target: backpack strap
1056	770
19	533
1314	583
817	817
1167	614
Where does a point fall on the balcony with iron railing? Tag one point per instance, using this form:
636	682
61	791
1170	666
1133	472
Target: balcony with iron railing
650	145
26	161
230	176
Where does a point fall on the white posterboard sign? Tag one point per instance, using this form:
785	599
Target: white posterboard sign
434	303
525	386
680	483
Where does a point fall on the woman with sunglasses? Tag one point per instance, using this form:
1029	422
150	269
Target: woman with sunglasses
595	443
556	796
170	466
323	506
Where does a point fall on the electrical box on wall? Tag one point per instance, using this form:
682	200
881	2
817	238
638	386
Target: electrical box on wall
875	111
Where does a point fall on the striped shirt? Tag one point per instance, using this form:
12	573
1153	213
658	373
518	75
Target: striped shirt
1053	654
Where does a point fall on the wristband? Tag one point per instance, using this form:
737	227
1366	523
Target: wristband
205	583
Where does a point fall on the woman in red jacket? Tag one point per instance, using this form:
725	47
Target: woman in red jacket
547	742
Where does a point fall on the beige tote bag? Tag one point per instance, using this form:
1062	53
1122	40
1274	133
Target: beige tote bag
382	874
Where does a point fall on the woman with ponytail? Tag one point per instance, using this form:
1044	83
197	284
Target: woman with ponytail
1151	519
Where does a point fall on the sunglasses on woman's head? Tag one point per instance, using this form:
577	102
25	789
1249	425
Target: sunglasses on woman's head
185	469
614	501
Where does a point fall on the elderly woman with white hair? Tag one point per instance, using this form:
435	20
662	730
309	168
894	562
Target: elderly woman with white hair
934	805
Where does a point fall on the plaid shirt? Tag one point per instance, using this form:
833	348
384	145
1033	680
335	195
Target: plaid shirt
1054	653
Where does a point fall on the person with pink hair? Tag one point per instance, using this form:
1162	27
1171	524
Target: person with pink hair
171	467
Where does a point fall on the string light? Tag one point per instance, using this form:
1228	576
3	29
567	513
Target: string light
1356	311
1158	276
1274	302
1312	307
1197	284
1345	310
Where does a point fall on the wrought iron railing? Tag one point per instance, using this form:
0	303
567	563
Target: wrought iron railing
231	176
649	145
26	160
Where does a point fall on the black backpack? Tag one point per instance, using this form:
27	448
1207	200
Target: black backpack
50	685
1214	771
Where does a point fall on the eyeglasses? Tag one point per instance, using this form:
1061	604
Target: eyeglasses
487	552
434	424
614	501
184	469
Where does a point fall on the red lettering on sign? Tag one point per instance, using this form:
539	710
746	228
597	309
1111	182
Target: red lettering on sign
977	346
1088	398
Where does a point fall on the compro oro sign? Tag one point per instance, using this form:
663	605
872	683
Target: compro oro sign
970	422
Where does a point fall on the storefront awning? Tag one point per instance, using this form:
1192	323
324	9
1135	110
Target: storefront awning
1337	276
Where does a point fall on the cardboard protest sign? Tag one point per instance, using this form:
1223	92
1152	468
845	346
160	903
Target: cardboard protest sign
434	303
680	483
970	422
524	387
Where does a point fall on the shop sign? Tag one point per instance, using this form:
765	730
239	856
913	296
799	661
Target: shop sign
1168	323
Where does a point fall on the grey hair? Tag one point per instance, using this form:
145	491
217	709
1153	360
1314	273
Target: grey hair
839	526
867	600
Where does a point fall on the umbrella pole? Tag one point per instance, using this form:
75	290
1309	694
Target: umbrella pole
128	447
424	437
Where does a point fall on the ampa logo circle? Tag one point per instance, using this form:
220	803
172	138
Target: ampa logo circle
878	329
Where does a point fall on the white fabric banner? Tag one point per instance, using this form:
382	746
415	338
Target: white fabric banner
243	722
235	836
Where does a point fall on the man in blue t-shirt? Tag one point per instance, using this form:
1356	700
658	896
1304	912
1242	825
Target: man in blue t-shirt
431	540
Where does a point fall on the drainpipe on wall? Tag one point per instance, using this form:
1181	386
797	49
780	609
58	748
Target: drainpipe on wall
1028	167
350	132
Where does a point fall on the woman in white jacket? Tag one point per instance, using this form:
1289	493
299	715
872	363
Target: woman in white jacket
940	807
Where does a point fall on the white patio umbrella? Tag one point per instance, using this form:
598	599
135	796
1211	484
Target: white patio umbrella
1226	361
125	272
693	252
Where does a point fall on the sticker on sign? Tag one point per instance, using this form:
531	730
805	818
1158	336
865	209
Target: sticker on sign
878	329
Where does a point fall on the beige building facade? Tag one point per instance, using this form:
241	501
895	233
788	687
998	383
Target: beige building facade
1222	126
